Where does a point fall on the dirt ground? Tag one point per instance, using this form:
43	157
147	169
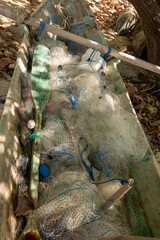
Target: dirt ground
142	86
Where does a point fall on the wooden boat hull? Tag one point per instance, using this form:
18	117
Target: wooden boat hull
143	199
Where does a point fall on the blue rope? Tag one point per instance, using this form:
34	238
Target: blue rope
60	231
73	100
113	179
52	18
106	170
100	218
81	89
50	232
89	169
90	60
63	107
91	56
40	30
69	92
108	53
109	230
73	103
95	192
77	26
56	154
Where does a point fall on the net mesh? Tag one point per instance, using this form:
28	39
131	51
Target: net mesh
87	138
86	107
70	206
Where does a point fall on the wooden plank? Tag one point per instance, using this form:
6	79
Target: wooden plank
144	198
148	186
9	144
120	193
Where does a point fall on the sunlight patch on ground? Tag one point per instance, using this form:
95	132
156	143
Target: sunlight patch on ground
29	6
5	22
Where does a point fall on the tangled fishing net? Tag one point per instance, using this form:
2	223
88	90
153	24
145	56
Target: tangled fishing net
73	203
82	105
69	205
86	137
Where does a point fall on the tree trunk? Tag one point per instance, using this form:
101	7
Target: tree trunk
149	12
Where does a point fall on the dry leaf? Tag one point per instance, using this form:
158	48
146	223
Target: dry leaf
25	204
131	91
12	66
8	54
155	123
4	62
142	86
151	109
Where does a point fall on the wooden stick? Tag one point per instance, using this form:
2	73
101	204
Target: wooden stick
124	49
120	193
86	42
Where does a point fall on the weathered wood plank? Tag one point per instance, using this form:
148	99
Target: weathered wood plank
9	143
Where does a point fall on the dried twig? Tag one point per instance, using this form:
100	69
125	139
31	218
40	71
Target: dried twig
148	89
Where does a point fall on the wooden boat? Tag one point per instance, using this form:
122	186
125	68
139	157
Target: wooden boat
143	200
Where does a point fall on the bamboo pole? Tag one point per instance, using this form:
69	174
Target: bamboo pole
8	12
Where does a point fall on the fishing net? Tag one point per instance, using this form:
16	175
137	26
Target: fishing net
72	198
89	108
70	206
86	139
